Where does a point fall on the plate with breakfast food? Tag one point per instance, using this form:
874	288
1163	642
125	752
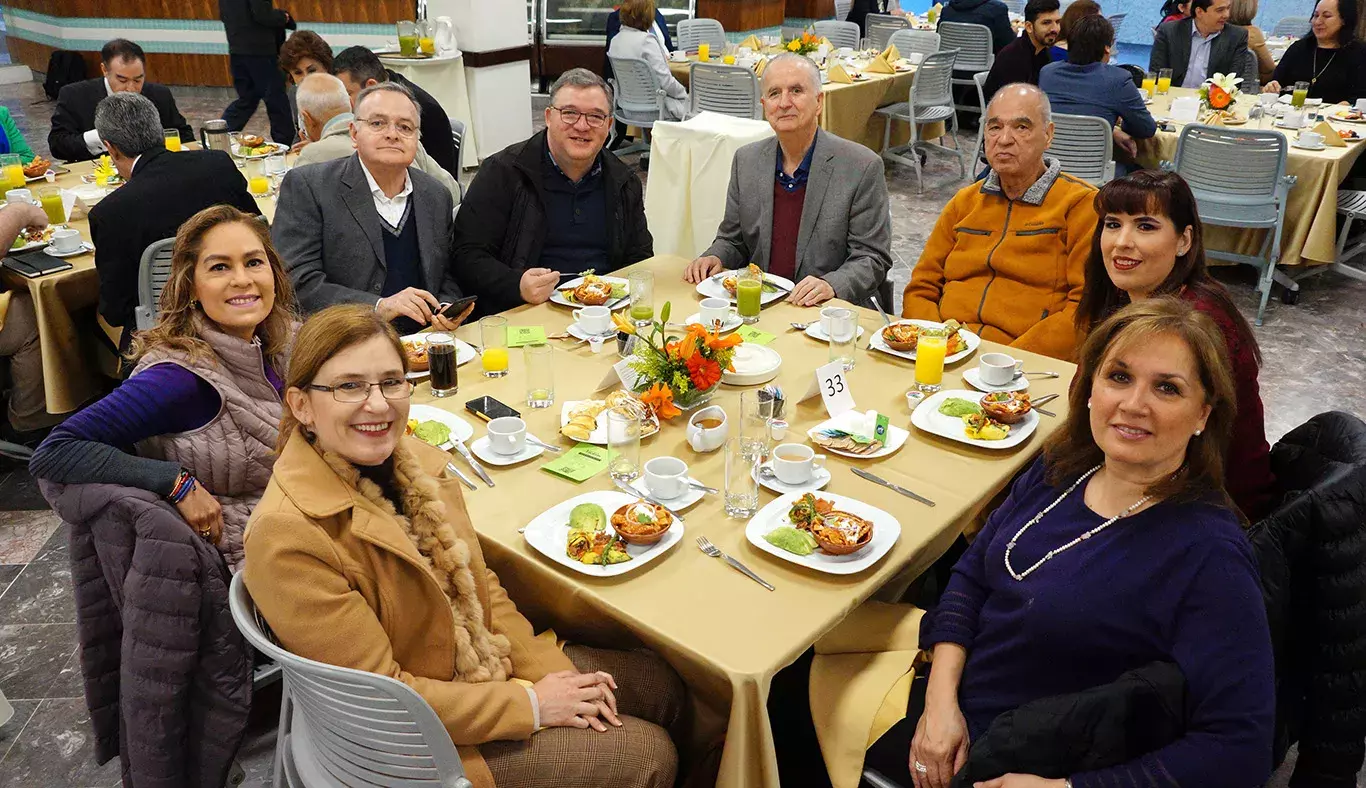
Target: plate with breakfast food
436	426
997	420
415	348
254	146
862	435
38	169
603	533
589	289
1223	117
724	284
32	238
585	421
1349	135
824	531
1347	115
900	339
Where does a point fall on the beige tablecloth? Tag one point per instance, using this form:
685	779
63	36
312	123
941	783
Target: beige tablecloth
725	634
1310	232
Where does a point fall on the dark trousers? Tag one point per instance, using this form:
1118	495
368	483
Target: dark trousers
258	78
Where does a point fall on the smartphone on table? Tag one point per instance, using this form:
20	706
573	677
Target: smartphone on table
452	309
488	408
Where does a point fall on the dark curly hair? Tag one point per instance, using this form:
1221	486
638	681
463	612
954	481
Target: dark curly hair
305	44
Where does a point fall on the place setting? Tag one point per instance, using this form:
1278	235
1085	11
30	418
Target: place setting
829	533
743	285
716	313
589	289
507	442
1000	372
902	338
419	350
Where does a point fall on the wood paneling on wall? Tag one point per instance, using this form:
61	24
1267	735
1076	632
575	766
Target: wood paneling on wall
736	15
810	9
168	69
368	11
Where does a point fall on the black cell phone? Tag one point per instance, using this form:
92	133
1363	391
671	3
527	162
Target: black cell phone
488	408
453	309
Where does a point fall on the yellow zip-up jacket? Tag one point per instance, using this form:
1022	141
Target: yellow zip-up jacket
1010	270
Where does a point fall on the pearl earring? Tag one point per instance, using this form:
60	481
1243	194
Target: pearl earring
1197	433
1088	404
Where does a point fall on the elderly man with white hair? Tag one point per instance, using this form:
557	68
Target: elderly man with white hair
325	124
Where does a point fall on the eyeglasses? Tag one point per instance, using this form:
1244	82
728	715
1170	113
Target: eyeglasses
571	117
353	391
378	125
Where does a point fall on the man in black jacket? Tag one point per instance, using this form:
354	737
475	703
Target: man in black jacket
1023	58
991	14
164	189
73	135
256	29
359	68
550	205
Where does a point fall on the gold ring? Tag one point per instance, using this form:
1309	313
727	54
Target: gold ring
204	532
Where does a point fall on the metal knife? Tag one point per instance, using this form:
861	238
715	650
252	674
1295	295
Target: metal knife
631	490
469	458
459	474
704	488
879	480
543	445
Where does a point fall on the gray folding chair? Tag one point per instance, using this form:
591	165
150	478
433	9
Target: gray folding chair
896	20
637	99
692	32
840	34
980	155
341	727
729	90
879	33
1016	7
930	101
921	42
1239	180
1115	21
1295	26
153	272
842	9
1085	146
1352	209
458	137
975	54
1251	74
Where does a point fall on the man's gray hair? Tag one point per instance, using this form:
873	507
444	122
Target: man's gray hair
323	97
813	72
581	78
130	122
387	87
1045	106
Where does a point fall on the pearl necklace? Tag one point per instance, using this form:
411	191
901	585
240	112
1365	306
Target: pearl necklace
1055	551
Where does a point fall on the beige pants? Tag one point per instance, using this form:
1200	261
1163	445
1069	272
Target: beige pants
19	342
640	754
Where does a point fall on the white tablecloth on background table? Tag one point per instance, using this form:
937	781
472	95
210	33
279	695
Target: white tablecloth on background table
685	195
444	78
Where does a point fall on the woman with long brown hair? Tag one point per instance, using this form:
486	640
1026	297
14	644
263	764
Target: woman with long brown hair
198	419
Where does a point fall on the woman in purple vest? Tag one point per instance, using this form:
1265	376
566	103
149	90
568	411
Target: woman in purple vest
198	419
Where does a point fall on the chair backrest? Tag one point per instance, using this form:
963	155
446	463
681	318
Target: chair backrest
637	96
1116	20
1016	7
879	33
1206	156
1084	145
362	728
1295	26
458	138
153	272
729	90
973	43
896	20
922	42
1251	74
980	80
692	32
933	84
842	9
841	34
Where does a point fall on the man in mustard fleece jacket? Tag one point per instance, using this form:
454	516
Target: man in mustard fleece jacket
1007	256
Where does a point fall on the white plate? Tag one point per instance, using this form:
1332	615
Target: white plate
970	338
275	148
549	534
973	377
485	452
754	364
460	429
555	296
819	479
578	333
678	504
85	247
817	332
886	531
928	418
599	434
896	436
731	322
711	287
464	353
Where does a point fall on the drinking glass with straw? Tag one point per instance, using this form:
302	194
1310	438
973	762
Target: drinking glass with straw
493	336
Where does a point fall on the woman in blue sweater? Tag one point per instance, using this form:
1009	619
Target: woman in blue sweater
1117	549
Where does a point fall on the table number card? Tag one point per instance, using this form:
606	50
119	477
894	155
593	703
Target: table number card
525	335
832	386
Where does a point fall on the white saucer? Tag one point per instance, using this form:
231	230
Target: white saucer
85	247
819	478
731	322
578	333
483	451
692	496
1320	146
973	377
817	332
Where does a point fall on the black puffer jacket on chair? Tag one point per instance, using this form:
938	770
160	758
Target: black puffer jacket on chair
1312	552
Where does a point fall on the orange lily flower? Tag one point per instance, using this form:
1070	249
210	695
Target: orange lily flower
661	400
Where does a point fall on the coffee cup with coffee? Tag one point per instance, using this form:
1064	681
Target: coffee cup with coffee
796	463
593	320
65	240
708	429
713	310
998	369
666	477
507	435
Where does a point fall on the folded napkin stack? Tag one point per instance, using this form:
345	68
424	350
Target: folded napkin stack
752	43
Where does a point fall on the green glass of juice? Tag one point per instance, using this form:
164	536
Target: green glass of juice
749	289
407	39
642	288
1300	93
50	198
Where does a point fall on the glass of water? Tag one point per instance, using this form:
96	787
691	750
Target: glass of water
540	376
843	328
756	411
742	484
623	445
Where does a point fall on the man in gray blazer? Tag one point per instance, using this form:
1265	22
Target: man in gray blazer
369	228
1201	45
806	205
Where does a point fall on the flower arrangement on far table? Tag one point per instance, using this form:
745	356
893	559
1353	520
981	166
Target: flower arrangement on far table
1220	91
804	44
681	373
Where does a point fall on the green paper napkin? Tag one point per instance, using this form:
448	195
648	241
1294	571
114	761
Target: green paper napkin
754	335
580	463
525	335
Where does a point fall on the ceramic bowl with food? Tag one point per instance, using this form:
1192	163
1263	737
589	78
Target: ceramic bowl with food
901	336
1007	407
641	522
39	166
416	351
250	140
842	533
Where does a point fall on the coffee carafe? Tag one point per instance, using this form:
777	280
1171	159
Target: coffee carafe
214	135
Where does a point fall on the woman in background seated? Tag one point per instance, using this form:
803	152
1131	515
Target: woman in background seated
1330	58
1241	14
1070	15
1116	549
11	139
1149	242
361	554
198	419
636	41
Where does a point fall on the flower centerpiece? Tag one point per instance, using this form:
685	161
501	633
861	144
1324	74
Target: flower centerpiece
1220	91
804	44
677	373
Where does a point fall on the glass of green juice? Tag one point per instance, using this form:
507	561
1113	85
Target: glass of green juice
50	198
407	39
1300	93
749	289
642	288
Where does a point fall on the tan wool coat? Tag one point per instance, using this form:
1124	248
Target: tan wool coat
343	579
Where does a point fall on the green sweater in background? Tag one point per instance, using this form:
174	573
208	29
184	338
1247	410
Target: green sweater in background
16	140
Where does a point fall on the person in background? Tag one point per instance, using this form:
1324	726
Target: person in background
1241	13
553	204
359	68
1175	11
1008	254
1023	58
27	411
1149	243
11	139
659	29
1330	58
73	136
804	184
1088	85
162	192
860	9
1075	11
1200	46
635	40
991	14
325	119
198	420
255	30
304	53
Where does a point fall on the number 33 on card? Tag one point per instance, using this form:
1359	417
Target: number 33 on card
833	388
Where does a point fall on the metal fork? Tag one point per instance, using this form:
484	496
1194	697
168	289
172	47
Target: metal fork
715	552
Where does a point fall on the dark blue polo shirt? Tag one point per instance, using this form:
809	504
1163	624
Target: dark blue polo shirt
575	219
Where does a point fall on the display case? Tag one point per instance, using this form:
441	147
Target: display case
572	33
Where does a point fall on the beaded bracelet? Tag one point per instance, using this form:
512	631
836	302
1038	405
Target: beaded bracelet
183	484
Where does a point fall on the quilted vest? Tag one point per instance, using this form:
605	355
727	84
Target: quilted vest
233	454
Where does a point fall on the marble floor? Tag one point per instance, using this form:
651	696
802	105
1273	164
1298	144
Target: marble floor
1315	360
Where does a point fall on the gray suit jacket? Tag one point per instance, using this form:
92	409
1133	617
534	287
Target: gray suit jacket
328	233
1172	49
846	230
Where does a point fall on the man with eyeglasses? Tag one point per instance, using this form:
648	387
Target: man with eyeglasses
554	204
370	228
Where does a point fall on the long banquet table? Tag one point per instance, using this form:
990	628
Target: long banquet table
725	634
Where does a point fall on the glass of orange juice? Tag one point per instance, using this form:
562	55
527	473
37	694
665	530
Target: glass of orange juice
704	52
1164	81
12	171
929	359
426	37
493	335
258	183
1150	83
172	139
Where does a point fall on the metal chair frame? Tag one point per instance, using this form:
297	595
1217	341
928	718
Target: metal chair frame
1085	146
930	100
729	90
975	52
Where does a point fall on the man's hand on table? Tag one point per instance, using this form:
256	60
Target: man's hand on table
1271	87
701	268
577	700
811	291
537	284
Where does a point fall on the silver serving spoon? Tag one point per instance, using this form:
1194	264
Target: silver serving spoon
885	319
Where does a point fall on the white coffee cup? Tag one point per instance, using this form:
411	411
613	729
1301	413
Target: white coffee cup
1310	103
507	435
594	320
713	310
828	314
998	369
666	477
1310	139
1293	120
1267	99
1361	105
795	463
65	240
704	439
18	196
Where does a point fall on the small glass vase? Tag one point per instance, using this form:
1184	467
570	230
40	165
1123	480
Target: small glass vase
694	399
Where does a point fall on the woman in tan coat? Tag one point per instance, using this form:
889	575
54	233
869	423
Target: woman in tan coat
1241	14
362	555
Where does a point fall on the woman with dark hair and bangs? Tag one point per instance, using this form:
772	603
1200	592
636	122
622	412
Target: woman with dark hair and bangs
1149	243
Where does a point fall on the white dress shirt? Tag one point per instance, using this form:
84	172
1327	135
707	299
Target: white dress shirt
92	137
1197	70
390	209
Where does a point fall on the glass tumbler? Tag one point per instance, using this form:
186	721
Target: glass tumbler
843	328
172	138
623	445
642	286
493	335
756	411
742	484
441	363
540	376
407	38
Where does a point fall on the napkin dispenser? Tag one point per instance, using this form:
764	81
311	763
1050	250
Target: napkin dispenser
1185	109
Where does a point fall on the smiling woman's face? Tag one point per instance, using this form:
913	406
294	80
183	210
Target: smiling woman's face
1141	250
233	280
365	432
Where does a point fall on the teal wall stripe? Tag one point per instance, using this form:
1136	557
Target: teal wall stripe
196	25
